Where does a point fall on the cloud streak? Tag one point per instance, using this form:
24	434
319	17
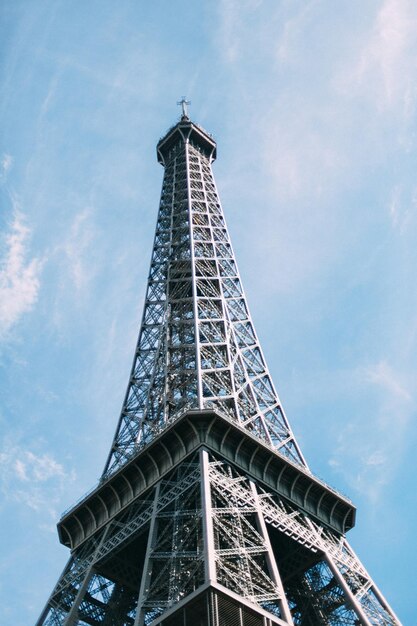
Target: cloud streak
387	63
77	249
34	480
370	449
383	375
19	277
6	165
403	207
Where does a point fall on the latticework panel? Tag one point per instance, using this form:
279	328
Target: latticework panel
207	523
175	564
199	540
323	580
197	345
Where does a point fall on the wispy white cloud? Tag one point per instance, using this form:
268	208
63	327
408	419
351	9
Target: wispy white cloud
39	468
319	138
387	62
287	48
383	375
394	205
318	134
19	277
370	449
32	479
402	207
232	14
229	43
77	247
6	165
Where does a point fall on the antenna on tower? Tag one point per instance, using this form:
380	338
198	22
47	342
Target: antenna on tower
184	104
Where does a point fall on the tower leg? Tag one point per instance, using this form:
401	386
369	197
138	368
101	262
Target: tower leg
72	617
210	556
347	591
272	564
147	570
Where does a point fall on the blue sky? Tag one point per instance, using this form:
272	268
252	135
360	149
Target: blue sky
313	105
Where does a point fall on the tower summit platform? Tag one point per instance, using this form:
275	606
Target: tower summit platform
186	131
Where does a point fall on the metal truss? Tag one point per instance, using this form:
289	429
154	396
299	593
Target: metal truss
336	588
208	524
197	345
229	528
118	533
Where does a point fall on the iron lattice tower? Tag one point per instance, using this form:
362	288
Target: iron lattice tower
206	513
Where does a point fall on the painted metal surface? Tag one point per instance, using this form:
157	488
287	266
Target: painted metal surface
207	513
197	346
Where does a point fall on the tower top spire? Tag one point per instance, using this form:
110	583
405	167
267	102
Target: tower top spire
183	103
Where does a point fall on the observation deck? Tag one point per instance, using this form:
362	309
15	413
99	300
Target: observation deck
272	470
184	131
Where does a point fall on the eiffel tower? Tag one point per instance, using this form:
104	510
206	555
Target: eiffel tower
206	513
